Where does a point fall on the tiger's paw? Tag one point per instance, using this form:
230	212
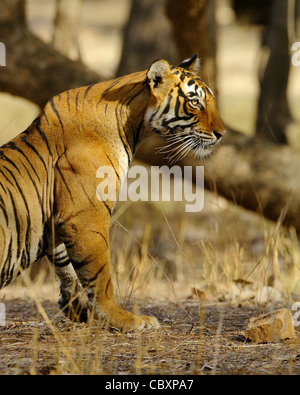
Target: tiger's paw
128	322
74	308
149	322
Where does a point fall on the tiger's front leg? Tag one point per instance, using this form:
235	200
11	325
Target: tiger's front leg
87	241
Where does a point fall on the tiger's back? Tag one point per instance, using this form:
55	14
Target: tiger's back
33	167
48	177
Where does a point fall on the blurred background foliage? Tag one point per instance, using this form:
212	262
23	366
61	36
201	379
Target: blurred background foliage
245	47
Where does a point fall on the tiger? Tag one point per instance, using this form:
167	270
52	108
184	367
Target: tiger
48	203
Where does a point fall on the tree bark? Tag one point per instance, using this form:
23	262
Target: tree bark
256	174
65	35
147	36
273	109
194	29
35	70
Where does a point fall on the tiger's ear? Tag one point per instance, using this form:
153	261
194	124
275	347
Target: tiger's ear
192	64
157	74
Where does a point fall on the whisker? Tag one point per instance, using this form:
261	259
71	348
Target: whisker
174	152
161	149
181	152
180	155
180	144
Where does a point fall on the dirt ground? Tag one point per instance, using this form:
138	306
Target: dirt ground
222	243
187	343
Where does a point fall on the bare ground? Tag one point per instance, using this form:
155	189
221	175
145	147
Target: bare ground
188	342
193	339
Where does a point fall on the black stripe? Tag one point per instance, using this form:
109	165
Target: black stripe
7	267
56	113
110	161
188	125
37	192
61	252
114	83
18	228
40	251
43	113
69	244
63	180
16	148
66	219
82	186
120	135
106	289
68	99
25	262
3	208
27	238
89	281
76	101
107	206
60	259
87	91
7	179
79	265
3	187
167	107
135	96
11	263
177	119
6	159
153	115
24	139
42	134
62	264
177	107
99	233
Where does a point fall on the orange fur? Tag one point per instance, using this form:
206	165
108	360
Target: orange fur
55	163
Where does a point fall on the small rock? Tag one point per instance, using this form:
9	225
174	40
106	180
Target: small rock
271	327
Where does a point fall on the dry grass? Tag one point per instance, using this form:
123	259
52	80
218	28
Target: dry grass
202	275
203	282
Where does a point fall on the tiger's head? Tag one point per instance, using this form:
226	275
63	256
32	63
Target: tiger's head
183	109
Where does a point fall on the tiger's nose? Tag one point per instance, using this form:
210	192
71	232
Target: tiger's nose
219	134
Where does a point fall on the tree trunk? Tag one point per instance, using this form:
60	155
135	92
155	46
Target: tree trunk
273	110
194	29
65	35
147	36
35	70
258	175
